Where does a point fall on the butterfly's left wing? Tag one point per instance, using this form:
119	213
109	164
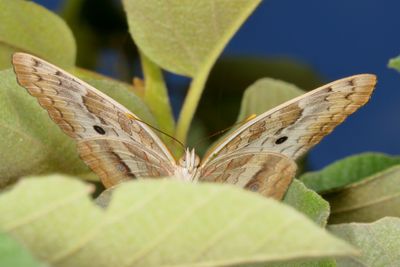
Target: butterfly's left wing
267	173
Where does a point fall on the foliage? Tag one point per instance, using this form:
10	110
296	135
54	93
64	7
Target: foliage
377	241
52	220
13	254
158	223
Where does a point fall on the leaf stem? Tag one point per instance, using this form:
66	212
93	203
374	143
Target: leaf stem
156	95
191	102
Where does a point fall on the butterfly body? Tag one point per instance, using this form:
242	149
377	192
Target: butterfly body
187	168
258	156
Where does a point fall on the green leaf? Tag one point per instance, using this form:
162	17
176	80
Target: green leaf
368	200
31	143
159	223
50	216
394	63
379	242
347	171
306	263
307	202
26	26
13	254
184	36
265	94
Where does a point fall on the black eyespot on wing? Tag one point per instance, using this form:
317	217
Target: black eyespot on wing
280	140
99	130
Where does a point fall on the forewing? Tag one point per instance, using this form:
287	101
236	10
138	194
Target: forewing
295	126
94	120
269	174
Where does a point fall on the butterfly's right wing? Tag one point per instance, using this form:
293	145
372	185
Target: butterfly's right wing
267	173
295	126
111	140
283	134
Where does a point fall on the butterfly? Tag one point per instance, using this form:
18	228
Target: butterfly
259	155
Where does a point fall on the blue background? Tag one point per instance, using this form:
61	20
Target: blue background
337	39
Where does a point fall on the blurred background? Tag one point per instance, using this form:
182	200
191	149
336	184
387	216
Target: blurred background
308	43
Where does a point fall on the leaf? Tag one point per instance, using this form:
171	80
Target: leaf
50	216
298	196
185	36
307	202
379	242
347	171
306	263
161	222
265	94
13	254
394	63
26	26
31	143
368	200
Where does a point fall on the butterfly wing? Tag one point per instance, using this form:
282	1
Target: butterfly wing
259	155
110	139
292	128
269	174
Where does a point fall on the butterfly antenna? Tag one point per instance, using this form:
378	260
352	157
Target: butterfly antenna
158	130
248	118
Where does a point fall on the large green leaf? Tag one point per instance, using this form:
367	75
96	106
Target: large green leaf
379	242
13	254
31	143
394	63
159	223
347	171
26	26
184	36
305	263
368	200
298	196
308	202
